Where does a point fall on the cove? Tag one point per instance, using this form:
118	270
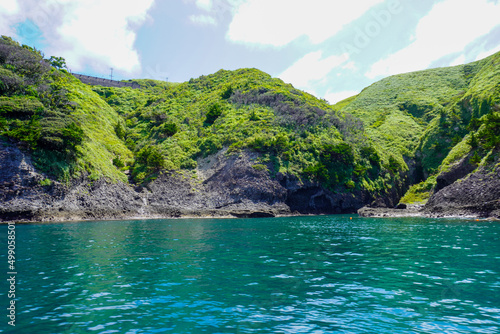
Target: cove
313	274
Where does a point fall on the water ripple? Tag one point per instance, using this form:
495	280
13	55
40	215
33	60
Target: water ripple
292	275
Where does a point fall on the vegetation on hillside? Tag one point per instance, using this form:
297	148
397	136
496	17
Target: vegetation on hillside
66	127
247	109
429	117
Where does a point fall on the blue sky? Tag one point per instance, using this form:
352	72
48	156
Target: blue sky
329	48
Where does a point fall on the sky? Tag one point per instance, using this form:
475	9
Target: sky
329	48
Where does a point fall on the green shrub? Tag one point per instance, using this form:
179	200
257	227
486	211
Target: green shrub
118	163
214	112
168	129
151	157
253	116
58	135
20	107
72	135
140	177
318	172
475	159
261	143
120	130
226	94
45	182
490	131
209	146
189	164
260	167
148	161
334	154
155	159
10	83
394	166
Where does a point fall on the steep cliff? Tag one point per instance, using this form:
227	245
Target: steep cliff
221	186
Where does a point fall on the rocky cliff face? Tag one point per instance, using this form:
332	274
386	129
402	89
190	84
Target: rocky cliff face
222	185
460	192
25	196
458	171
478	194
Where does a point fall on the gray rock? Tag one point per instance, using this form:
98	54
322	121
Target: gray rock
222	186
456	172
477	195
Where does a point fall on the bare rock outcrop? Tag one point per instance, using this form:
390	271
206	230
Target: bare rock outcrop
476	195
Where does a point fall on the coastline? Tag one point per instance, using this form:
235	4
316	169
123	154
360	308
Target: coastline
423	213
224	187
365	212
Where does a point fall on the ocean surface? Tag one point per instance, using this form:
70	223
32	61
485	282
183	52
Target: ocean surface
318	274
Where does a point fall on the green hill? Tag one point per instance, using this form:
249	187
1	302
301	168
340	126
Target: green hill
246	109
427	118
68	129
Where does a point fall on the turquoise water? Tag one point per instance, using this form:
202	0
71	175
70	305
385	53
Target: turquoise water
323	274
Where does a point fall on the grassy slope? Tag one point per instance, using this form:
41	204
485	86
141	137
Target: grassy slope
425	115
67	127
100	145
295	132
398	109
98	121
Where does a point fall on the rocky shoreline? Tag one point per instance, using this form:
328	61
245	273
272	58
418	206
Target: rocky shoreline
411	211
222	186
396	213
475	196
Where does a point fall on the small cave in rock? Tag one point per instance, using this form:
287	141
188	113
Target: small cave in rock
310	201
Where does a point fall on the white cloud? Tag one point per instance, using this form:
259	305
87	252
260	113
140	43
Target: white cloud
101	31
449	27
9	9
214	11
312	67
203	19
458	61
204	4
350	66
488	53
334	97
88	32
279	22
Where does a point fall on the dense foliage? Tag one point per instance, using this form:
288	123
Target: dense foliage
294	132
34	108
429	117
46	111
